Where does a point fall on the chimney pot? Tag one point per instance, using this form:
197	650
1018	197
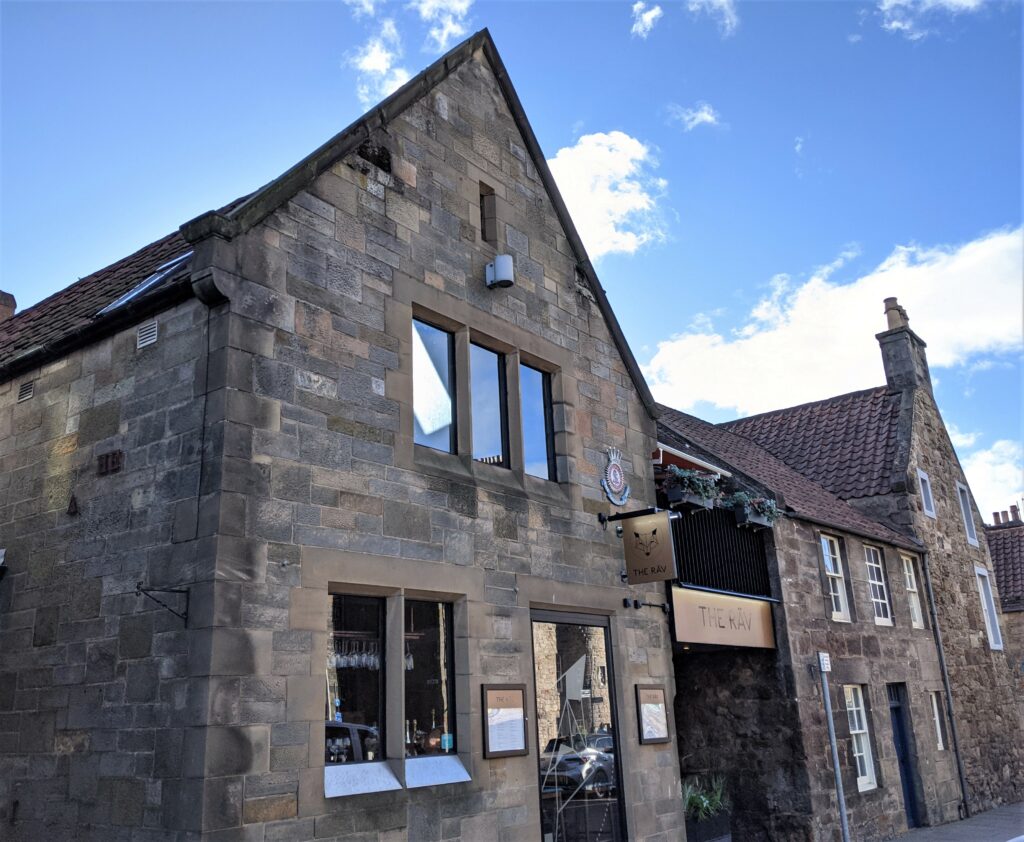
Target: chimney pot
7	306
1006	517
995	518
1015	512
895	315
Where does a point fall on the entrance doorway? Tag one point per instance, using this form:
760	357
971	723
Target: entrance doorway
579	774
902	739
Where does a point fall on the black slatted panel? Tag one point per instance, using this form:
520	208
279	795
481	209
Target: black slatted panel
715	553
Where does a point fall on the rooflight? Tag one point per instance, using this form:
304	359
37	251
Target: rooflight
161	274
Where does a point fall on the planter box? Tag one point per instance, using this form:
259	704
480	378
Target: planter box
715	829
748	518
682	499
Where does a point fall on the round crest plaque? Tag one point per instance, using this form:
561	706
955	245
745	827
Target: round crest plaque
614	482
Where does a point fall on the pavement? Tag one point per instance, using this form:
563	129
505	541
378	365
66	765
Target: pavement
1004	824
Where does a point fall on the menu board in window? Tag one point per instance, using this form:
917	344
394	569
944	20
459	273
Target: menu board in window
504	712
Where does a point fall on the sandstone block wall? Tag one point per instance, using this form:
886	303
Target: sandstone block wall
100	688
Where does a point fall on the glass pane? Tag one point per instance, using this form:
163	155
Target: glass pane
433	387
429	679
535	397
579	792
829	556
355	681
487	370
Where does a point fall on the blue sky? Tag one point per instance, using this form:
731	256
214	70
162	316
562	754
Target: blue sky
752	178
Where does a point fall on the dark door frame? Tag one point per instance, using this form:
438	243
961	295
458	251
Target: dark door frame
902	737
603	621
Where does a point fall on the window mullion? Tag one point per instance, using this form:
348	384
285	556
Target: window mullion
514	412
463	394
394	685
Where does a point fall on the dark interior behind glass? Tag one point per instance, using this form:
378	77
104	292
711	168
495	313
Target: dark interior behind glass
429	679
355	681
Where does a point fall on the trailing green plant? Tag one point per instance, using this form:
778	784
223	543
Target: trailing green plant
705	798
697	483
766	507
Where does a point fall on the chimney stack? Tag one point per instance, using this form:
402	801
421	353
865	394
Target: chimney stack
1015	512
7	306
903	354
1006	517
995	518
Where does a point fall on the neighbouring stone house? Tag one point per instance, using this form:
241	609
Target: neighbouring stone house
886	452
363	483
841	583
1005	537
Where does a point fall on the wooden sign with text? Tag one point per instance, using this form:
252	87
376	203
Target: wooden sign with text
721	620
650	550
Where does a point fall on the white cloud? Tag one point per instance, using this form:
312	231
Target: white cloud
723	10
362	7
908	17
607	184
377	63
810	341
798	145
447	19
644	18
700	115
960	439
996	476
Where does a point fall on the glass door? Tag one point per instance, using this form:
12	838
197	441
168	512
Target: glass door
580	797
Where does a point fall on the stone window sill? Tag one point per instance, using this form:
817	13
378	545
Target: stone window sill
438	769
358	779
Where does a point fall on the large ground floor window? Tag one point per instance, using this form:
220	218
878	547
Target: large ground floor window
576	728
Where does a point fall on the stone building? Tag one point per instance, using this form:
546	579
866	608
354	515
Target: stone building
1005	537
841	583
363	483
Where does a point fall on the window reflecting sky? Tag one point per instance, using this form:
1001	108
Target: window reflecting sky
432	387
488	405
535	437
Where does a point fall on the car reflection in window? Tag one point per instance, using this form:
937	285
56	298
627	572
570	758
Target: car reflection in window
576	765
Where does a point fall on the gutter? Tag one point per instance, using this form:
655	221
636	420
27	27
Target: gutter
965	810
165	296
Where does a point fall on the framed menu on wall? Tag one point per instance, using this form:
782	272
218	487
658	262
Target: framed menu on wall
651	713
504	715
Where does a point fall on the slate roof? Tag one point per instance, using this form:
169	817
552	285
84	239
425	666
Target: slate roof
74	309
805	497
1006	546
847	443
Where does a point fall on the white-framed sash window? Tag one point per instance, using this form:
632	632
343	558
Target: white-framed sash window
927	500
833	561
913	595
860	736
988	609
877	586
963	495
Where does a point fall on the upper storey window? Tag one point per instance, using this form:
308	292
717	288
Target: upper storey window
965	510
538	436
836	581
877	586
927	501
490	406
433	371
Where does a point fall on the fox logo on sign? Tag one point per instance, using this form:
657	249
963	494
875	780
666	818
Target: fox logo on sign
650	550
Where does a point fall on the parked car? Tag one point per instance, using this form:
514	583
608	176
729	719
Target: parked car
578	764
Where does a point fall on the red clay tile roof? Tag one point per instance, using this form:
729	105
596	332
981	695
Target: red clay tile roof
846	443
801	494
1006	545
73	309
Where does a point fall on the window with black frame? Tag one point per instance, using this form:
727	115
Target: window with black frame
355	681
429	679
433	387
490	412
538	432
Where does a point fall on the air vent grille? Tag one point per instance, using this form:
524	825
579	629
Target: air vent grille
26	390
146	335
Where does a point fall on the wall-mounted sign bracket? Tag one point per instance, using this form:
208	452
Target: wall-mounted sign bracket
636	603
148	593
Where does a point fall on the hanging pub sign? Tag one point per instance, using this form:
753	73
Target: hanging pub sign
650	550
